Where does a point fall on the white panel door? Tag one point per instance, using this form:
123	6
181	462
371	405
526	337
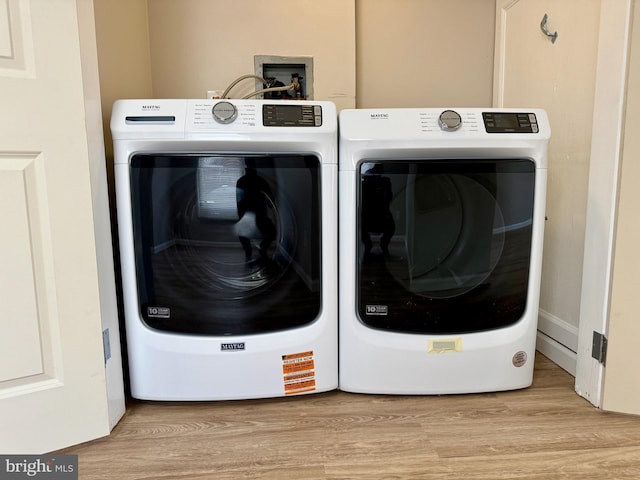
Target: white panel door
52	372
532	70
619	386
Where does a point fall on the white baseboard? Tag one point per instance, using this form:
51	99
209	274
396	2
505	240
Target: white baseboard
558	341
562	332
557	353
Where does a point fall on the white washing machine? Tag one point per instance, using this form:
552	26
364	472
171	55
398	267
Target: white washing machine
227	221
440	239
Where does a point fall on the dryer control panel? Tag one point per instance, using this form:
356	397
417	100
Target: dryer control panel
510	122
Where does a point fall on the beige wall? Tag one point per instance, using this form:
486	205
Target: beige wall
424	53
122	39
399	53
200	45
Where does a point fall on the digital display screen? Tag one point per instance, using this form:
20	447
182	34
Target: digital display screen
507	122
291	115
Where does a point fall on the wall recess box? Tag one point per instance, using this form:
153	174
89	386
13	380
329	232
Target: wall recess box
281	71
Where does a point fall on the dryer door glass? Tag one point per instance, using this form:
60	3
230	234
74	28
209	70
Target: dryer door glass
227	245
444	245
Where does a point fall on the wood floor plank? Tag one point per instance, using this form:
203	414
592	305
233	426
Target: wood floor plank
543	432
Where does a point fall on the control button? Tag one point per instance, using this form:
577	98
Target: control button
224	112
450	120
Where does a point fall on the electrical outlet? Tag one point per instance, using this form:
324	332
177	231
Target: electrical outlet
212	94
283	71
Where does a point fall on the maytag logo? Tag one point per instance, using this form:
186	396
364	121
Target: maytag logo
231	347
378	116
150	108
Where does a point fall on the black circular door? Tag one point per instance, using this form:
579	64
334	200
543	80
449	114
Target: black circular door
444	244
227	245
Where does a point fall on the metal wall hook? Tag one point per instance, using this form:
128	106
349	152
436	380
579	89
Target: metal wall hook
543	26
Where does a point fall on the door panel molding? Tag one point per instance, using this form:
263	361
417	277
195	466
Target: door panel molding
16	41
28	275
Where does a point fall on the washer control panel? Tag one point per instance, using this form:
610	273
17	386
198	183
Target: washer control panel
274	115
509	122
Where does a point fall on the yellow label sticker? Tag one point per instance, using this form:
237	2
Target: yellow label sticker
444	345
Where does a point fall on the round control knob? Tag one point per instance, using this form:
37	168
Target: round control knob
224	112
450	120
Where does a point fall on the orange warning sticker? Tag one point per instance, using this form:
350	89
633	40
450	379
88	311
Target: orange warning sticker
294	356
298	366
298	371
299	387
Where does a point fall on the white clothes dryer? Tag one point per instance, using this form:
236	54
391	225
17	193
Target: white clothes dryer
227	221
440	240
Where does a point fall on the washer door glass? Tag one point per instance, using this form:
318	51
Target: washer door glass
444	244
227	245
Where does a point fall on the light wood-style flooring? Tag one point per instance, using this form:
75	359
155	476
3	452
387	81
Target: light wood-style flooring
544	432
